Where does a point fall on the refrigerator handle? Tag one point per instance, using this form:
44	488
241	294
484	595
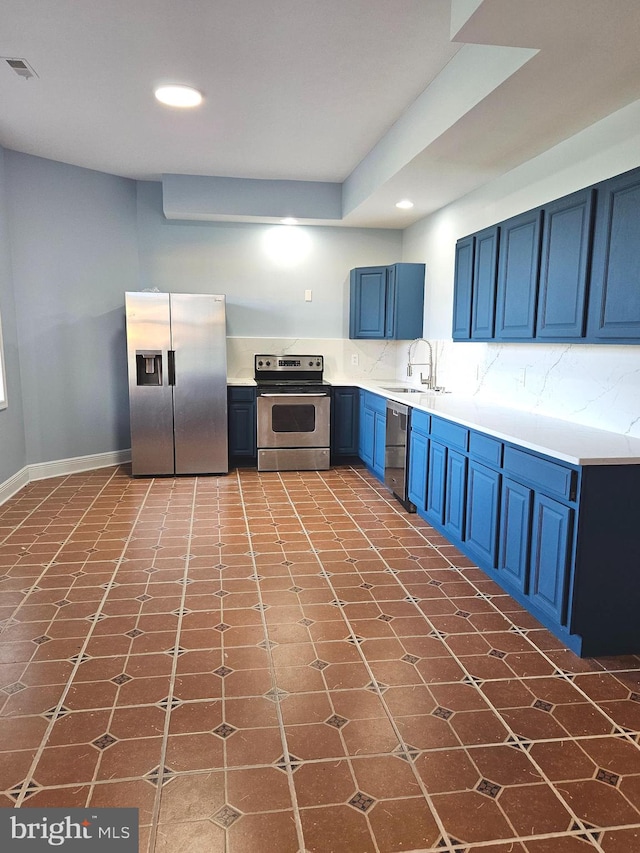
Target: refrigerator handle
171	367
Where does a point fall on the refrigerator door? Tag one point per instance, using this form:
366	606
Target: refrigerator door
150	396
198	339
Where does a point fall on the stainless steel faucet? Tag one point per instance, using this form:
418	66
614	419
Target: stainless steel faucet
430	380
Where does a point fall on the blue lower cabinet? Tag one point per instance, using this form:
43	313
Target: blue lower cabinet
241	414
483	505
550	536
379	440
436	476
515	535
344	422
455	494
372	432
563	540
367	417
418	466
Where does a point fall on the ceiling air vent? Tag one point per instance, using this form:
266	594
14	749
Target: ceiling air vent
20	66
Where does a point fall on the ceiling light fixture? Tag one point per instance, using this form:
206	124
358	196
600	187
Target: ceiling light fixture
289	220
178	96
405	204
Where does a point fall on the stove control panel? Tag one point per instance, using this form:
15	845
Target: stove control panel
289	363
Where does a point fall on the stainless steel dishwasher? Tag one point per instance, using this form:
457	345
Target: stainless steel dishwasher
396	453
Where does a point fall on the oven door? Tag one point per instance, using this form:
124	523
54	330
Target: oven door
293	420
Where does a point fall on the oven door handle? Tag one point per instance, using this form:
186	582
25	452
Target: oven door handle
293	394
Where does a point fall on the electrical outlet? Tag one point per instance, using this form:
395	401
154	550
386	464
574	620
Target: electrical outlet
307	296
354	359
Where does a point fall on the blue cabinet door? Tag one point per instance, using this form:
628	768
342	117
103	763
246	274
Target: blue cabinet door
485	274
483	503
242	423
387	302
390	315
550	535
242	430
614	301
455	492
368	299
518	268
463	289
436	475
372	433
366	432
344	421
379	437
418	464
405	301
515	535
564	267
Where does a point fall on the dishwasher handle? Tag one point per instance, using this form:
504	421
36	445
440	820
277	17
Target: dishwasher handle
397	408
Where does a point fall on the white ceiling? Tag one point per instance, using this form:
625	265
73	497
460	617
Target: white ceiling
373	94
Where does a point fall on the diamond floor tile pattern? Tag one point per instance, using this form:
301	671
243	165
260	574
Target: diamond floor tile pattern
289	662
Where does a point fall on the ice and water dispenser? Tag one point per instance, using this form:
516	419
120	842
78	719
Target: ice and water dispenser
149	367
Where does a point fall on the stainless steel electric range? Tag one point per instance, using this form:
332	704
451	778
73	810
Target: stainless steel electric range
293	411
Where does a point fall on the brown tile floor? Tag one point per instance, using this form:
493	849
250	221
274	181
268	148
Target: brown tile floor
289	662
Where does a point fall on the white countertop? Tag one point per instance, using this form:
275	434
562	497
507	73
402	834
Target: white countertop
565	440
571	442
236	381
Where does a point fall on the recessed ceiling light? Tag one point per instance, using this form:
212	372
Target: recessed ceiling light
178	96
405	204
289	220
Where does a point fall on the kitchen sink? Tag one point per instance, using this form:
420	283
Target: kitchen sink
404	390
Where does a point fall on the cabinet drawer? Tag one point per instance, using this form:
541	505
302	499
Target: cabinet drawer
453	435
420	421
241	393
551	477
483	447
373	401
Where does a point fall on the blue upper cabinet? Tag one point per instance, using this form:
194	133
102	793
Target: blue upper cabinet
485	273
567	271
518	267
474	289
463	289
367	315
614	304
566	248
387	303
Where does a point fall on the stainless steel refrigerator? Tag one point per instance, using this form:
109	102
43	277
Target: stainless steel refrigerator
177	356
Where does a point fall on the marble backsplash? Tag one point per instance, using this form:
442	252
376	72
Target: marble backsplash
594	385
375	359
598	386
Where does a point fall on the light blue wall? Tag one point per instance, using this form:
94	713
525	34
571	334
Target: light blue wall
263	269
12	440
79	239
74	253
204	198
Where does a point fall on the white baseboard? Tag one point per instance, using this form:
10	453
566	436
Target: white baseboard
60	468
13	484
